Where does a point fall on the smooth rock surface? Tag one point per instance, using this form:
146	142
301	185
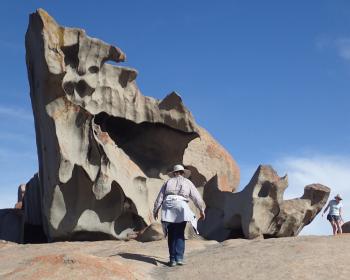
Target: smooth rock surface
104	149
303	257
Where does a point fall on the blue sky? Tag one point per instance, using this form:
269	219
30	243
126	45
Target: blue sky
269	79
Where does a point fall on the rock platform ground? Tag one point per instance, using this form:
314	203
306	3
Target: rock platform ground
304	257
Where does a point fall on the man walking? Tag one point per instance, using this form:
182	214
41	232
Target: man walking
173	198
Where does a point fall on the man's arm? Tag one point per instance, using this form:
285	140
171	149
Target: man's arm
158	202
197	200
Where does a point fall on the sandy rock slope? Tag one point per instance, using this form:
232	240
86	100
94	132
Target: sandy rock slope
304	257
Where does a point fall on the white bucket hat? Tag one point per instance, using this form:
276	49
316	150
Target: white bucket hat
338	197
179	167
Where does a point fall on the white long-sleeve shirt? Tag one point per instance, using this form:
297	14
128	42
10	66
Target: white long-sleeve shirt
182	186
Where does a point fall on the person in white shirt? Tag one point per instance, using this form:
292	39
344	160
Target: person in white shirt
173	198
335	214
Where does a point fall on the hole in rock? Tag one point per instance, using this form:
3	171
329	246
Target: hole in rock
71	55
236	233
126	76
93	69
88	236
69	87
153	147
265	189
236	227
268	236
83	89
236	221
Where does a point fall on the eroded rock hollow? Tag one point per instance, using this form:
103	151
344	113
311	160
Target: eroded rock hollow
104	149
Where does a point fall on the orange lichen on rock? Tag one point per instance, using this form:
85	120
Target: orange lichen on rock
74	266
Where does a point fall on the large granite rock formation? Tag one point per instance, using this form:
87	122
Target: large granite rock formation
259	210
104	149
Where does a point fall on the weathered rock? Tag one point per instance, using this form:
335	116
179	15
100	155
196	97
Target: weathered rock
24	223
32	202
259	210
346	227
153	232
33	221
104	149
20	195
11	225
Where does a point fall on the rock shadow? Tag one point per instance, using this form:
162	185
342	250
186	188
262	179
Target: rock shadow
114	207
151	146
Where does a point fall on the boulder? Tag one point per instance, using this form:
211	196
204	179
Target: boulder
11	225
259	211
20	195
104	149
346	227
153	232
24	223
33	222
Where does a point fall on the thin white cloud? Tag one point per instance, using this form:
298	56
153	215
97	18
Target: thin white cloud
14	112
343	48
332	171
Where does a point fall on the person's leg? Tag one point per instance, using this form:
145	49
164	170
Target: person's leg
338	226
180	242
172	242
334	227
330	218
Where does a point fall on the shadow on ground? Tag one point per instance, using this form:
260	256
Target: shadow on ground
142	258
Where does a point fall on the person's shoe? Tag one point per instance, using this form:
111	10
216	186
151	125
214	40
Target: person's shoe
180	262
172	263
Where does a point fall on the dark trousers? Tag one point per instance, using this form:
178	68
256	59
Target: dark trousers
176	241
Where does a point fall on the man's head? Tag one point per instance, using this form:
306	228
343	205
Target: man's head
177	173
179	170
338	197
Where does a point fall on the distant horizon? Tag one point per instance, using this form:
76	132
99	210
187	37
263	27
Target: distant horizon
268	80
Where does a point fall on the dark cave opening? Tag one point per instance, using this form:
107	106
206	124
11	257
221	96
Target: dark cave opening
154	147
236	227
265	189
